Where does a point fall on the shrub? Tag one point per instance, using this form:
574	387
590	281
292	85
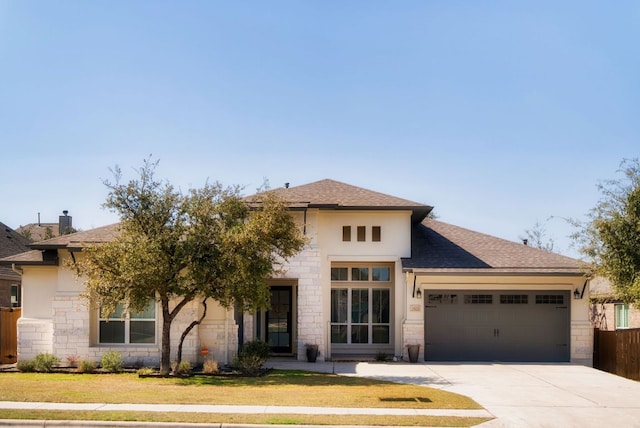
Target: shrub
210	367
72	360
86	366
251	357
44	362
181	369
146	371
112	361
26	366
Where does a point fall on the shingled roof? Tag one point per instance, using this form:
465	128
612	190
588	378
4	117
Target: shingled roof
73	241
331	194
441	247
11	243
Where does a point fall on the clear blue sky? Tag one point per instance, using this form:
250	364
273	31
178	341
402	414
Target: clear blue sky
498	113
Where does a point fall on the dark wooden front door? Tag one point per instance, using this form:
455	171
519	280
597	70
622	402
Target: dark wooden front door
279	320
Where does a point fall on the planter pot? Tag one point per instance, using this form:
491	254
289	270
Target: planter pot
414	353
312	353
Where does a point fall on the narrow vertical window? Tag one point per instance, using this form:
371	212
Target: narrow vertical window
15	295
375	233
346	233
622	316
362	231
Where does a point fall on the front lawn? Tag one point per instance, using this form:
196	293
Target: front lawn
278	388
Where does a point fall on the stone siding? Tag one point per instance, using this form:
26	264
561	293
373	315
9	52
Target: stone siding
582	343
34	337
412	334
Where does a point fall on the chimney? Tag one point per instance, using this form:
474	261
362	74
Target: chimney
525	241
64	223
286	185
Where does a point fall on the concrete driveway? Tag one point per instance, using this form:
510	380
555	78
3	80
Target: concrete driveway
518	395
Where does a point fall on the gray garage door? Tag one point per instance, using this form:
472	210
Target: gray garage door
496	325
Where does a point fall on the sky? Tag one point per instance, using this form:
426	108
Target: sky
499	114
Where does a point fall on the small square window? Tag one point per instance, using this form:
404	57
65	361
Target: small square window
375	234
339	274
346	233
360	274
362	232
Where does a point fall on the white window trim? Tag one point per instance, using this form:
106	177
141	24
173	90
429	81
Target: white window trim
127	330
621	310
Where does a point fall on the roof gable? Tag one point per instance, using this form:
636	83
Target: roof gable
438	246
11	243
331	194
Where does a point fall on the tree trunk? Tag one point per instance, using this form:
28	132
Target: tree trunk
188	330
165	356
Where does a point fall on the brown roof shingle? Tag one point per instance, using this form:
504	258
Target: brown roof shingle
11	243
442	247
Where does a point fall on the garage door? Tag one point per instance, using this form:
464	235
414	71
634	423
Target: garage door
497	326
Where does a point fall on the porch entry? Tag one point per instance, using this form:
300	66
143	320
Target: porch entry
275	326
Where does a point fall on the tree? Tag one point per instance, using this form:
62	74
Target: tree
175	248
537	237
611	236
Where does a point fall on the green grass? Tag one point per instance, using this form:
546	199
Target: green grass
278	388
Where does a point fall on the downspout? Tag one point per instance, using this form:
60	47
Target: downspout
17	270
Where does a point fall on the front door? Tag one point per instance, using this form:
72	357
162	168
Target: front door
278	320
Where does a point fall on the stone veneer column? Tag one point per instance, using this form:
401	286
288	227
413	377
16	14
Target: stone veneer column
35	336
412	334
582	343
71	325
311	329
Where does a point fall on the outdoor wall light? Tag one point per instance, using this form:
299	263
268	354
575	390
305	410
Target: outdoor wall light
419	293
576	294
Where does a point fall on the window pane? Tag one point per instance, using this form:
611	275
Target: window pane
622	316
339	305
380	305
360	274
112	331
346	233
149	312
361	233
359	305
117	314
381	274
359	334
142	332
380	334
338	334
339	274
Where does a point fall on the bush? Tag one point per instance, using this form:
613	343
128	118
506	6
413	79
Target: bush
112	361
146	371
86	366
181	369
251	357
72	360
44	362
210	367
26	366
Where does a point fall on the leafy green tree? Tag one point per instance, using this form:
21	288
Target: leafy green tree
175	248
611	236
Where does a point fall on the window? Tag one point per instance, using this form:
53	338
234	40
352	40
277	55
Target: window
622	316
129	327
549	299
445	299
514	299
375	233
15	295
361	305
362	233
346	233
482	299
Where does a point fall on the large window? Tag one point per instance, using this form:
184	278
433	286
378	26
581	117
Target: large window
361	305
129	327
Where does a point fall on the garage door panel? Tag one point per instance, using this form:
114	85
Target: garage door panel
514	326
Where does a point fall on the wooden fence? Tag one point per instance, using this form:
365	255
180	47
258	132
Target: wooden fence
617	352
9	334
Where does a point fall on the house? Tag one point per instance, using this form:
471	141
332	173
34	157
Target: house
40	231
11	242
608	312
376	276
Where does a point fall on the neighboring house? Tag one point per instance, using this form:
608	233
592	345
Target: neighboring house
608	312
11	243
36	232
376	276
